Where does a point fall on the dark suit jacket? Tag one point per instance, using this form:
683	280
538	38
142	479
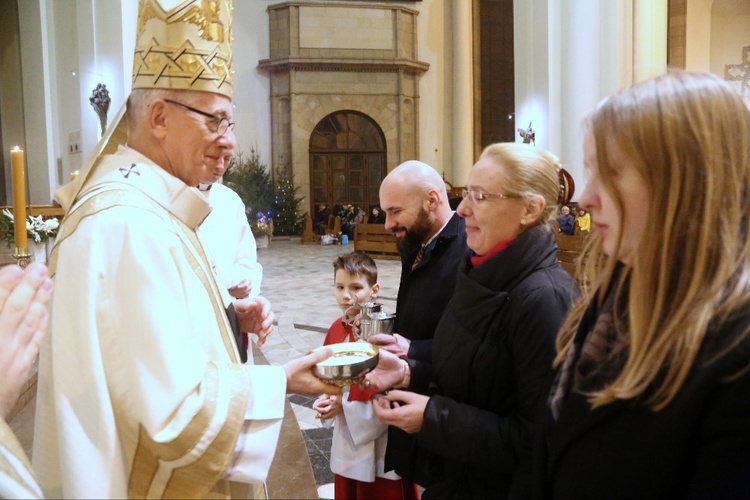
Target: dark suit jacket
425	290
698	446
423	294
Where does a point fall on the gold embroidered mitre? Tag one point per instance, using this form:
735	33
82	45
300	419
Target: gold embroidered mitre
180	44
185	46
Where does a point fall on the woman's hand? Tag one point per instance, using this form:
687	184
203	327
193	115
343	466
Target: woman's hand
328	406
24	295
402	409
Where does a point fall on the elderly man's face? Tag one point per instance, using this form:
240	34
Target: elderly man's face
196	153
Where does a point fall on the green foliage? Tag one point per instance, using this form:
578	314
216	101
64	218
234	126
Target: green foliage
6	230
288	220
251	180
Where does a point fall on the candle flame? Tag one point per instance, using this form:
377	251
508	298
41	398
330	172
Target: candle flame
16	148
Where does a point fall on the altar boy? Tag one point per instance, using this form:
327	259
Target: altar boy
359	438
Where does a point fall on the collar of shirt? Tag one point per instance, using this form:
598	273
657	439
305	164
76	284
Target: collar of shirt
427	243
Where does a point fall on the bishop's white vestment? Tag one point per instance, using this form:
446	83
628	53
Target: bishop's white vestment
140	390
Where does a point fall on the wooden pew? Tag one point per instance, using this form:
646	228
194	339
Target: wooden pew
569	248
334	225
308	235
376	241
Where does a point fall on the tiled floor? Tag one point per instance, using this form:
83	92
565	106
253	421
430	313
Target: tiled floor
298	280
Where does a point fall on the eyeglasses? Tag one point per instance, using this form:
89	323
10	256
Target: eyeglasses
478	196
221	124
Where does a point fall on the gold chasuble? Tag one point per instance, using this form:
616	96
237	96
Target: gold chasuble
140	391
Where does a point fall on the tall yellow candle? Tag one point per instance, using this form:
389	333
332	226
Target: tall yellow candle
19	200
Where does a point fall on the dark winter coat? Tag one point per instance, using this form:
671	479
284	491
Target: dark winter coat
491	368
698	446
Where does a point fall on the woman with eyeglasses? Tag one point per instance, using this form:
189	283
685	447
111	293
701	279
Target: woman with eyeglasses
473	406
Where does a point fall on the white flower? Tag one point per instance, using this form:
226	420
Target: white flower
50	225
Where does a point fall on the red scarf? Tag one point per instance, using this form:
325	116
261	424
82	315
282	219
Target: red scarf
476	260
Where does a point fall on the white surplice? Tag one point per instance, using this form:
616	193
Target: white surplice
228	240
140	390
359	442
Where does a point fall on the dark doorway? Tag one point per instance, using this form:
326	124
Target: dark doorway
347	161
497	87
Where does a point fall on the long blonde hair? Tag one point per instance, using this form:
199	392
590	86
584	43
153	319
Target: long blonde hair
688	135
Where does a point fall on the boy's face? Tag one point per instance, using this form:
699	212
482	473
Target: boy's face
351	288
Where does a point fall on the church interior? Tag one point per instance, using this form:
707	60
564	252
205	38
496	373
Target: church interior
343	91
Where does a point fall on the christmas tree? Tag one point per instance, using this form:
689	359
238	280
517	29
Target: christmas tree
286	203
249	177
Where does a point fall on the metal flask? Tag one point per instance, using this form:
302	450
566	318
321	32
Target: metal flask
371	320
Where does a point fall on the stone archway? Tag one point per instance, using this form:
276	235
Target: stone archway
365	60
347	160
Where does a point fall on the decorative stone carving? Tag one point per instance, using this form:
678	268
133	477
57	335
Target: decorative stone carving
740	73
100	101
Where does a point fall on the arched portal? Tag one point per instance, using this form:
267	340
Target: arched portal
347	160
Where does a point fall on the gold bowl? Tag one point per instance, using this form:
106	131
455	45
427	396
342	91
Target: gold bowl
349	363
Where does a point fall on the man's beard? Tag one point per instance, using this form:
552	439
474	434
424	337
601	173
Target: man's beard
415	235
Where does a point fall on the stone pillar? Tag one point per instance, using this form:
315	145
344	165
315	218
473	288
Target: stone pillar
649	38
698	35
463	94
593	34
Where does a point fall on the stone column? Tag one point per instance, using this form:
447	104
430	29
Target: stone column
698	35
593	35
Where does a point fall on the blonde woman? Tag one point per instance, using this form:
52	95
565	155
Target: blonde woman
652	396
472	406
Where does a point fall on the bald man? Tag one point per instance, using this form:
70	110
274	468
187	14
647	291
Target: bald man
431	240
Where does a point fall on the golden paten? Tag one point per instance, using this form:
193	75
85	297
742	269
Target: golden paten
349	363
